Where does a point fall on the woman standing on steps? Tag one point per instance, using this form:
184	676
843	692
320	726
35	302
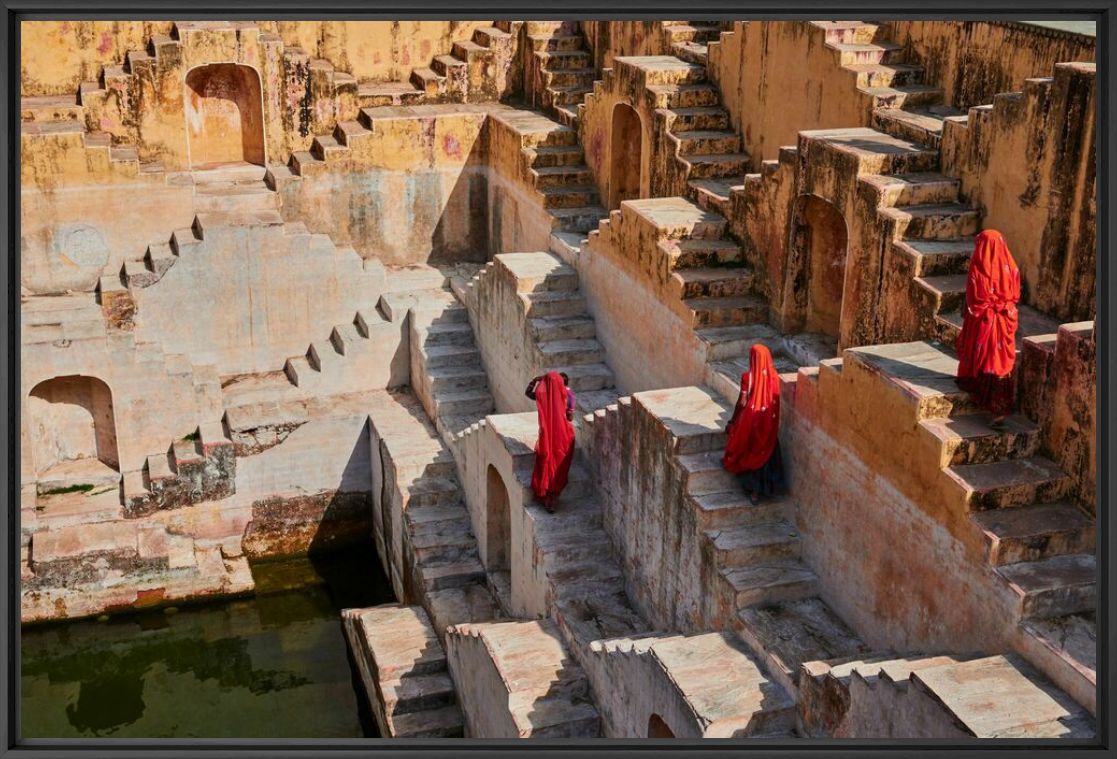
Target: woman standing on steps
554	450
753	449
987	343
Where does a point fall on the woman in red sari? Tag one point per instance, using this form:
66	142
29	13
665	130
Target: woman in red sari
753	449
987	343
554	451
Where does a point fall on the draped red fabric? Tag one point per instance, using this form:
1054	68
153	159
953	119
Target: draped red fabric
987	342
754	429
555	448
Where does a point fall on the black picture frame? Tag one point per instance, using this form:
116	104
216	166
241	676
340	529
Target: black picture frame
1104	12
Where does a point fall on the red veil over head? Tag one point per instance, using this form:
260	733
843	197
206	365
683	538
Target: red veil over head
555	449
754	429
987	342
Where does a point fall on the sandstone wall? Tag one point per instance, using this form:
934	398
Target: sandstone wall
1058	389
57	56
413	190
482	693
864	481
778	78
607	40
1028	162
518	220
972	61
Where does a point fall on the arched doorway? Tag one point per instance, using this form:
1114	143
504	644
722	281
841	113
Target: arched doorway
657	728
498	520
822	240
224	115
73	430
626	154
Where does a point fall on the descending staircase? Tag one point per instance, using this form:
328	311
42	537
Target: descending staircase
689	40
562	68
404	671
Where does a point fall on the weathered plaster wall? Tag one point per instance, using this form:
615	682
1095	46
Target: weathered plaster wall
250	297
412	190
972	61
57	56
1028	163
778	78
607	40
482	693
518	220
865	479
1058	389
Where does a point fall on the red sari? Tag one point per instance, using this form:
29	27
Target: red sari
554	450
755	427
987	343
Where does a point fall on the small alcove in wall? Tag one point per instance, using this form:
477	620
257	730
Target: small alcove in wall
657	728
498	538
224	115
73	430
821	240
626	155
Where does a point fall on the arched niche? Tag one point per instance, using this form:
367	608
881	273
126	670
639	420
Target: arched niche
498	520
224	115
626	154
657	728
73	429
821	242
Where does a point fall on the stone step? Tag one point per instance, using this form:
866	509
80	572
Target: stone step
429	723
570	156
453	333
933	222
416	693
943	292
51	108
717	165
771	582
557	42
691	32
690	253
549	328
570	95
908	95
588	377
731	343
714	193
1053	587
1013	482
707	142
741	546
917	188
886	75
922	124
567	78
327	148
577	175
847	31
553	60
937	257
571	352
719	282
578	219
451	355
427	81
556	303
691	52
569	197
434	491
786	635
456	378
455	575
1036	532
375	94
853	53
445	541
472	402
697	118
676	96
723	312
970	440
1003	697
447	66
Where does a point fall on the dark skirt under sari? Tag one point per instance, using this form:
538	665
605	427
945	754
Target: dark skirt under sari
994	394
768	480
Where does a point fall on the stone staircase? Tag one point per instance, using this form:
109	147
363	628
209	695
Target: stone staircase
688	40
724	692
404	671
936	697
556	319
1041	544
539	690
762	588
446	370
198	467
902	104
561	68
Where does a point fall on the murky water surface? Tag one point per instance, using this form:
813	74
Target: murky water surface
273	666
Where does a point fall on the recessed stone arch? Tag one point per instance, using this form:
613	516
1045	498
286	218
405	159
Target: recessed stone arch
73	429
657	728
498	522
224	115
819	246
626	154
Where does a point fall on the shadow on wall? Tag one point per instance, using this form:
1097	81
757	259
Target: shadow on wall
71	420
461	232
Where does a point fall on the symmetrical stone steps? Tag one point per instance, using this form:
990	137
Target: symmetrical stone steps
539	690
404	672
